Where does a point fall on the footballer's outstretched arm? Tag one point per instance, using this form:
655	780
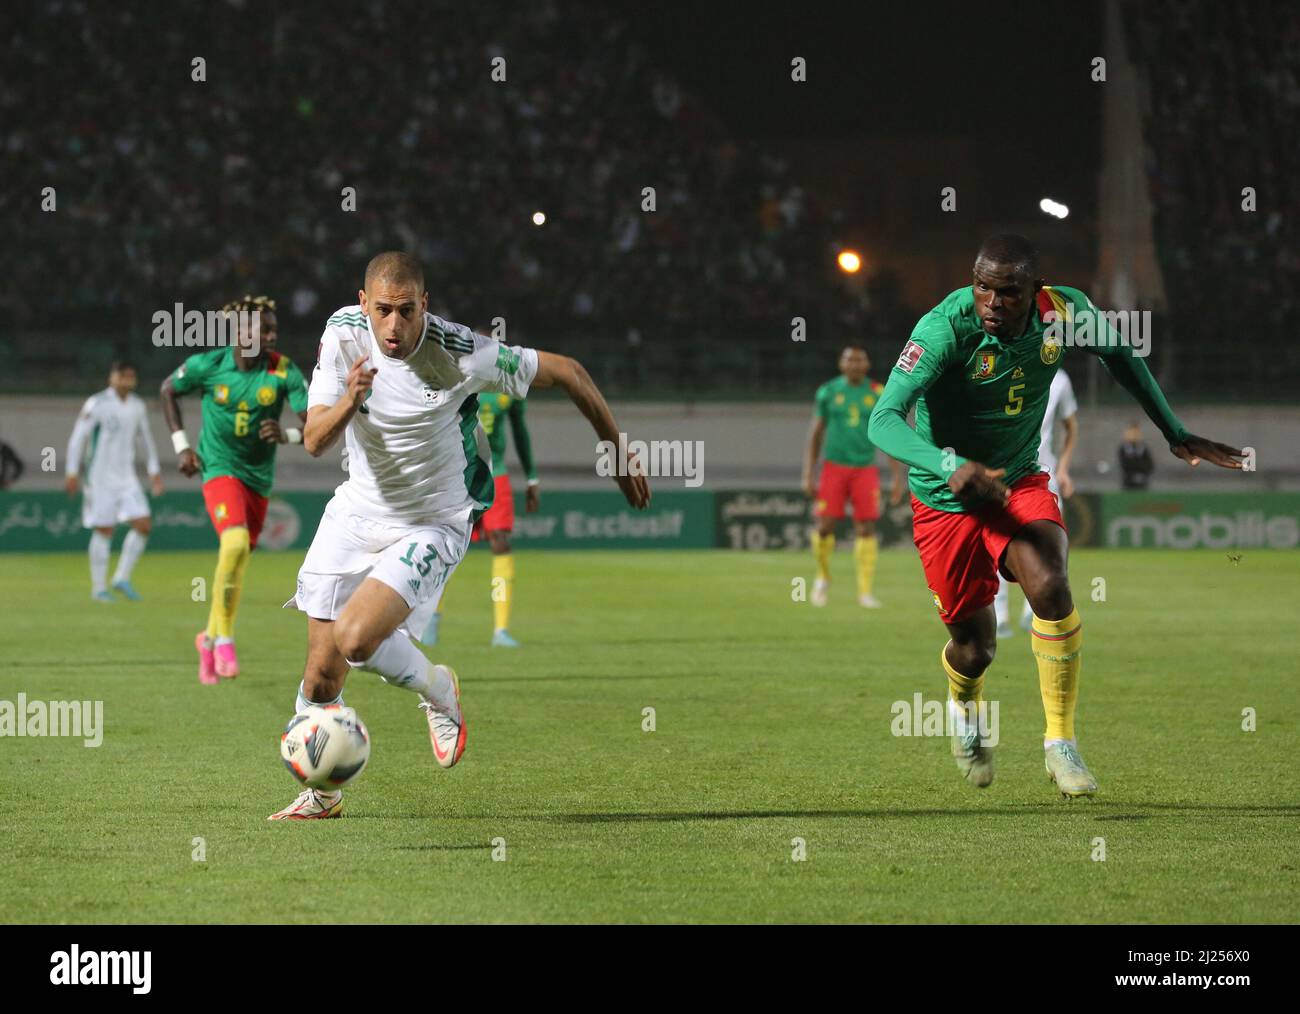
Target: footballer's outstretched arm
561	371
1133	375
1125	363
324	424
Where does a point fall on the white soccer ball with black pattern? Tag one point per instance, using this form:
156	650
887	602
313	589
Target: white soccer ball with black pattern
325	747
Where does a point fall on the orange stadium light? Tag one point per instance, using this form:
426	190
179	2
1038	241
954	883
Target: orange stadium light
850	263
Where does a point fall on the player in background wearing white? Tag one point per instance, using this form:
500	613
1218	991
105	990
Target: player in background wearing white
403	385
102	449
1062	408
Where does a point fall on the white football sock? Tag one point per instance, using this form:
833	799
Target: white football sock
399	662
99	546
1049	743
301	703
132	547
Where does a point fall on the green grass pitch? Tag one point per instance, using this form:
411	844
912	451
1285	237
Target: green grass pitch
772	724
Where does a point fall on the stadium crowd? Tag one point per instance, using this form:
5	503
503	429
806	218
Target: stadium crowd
171	189
1224	114
199	189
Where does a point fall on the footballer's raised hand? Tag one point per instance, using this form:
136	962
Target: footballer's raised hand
532	499
361	379
1194	450
974	484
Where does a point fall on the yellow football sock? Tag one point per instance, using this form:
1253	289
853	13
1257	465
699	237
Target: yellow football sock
503	583
961	689
864	552
232	558
823	546
1056	645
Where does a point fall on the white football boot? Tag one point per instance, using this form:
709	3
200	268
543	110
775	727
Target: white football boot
312	804
446	726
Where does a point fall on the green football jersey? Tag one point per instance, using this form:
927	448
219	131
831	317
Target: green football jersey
982	398
846	408
235	403
493	410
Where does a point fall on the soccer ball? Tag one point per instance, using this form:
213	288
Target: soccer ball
325	747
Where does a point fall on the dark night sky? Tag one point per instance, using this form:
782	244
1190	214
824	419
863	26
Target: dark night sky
899	68
996	99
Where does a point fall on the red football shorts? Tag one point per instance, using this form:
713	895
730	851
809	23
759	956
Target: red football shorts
961	552
500	517
230	502
860	486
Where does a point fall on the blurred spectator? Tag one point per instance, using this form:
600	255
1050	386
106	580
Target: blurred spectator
1135	464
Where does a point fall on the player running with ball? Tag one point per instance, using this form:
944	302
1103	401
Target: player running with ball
979	368
403	386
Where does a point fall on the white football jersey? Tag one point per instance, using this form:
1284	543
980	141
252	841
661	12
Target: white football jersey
415	450
1060	405
102	445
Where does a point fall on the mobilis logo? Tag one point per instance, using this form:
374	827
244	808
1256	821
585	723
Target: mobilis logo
1240	530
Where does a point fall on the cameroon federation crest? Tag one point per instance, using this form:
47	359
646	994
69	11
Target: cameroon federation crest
985	364
265	395
221	394
1050	352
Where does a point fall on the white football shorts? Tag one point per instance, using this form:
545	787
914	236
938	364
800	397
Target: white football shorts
416	562
112	505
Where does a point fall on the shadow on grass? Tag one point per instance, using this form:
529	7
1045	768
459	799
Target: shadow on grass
485	847
1077	806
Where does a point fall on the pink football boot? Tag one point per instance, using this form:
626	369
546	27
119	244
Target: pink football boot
227	663
207	669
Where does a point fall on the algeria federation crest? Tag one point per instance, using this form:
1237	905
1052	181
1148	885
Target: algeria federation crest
1050	352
